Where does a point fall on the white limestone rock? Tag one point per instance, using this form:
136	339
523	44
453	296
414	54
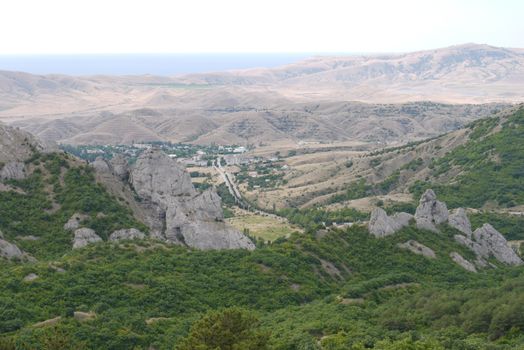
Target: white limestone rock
418	248
31	277
181	214
74	221
430	212
481	251
494	242
14	170
101	165
381	225
84	236
459	219
126	234
457	258
10	251
119	166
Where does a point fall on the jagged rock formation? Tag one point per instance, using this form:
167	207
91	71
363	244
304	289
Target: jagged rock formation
381	225
126	234
485	242
430	212
456	257
180	214
13	171
494	242
418	248
17	145
85	236
74	222
459	220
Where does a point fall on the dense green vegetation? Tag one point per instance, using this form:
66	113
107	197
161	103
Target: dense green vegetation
491	164
55	190
304	290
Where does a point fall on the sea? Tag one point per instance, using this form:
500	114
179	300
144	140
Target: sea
140	64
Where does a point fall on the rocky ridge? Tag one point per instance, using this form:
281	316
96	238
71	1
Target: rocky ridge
176	212
485	241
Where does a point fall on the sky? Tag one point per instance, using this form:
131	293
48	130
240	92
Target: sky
254	26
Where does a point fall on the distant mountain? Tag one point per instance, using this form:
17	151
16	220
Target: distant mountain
317	99
465	73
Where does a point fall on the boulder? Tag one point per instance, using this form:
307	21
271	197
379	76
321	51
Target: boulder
381	225
495	243
457	258
126	234
430	212
418	248
180	214
74	221
13	171
459	219
10	251
84	236
31	277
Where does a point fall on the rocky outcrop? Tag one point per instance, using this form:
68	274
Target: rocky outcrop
495	243
457	258
180	214
17	145
84	236
459	219
119	166
13	171
430	212
381	225
418	248
126	234
100	165
10	250
476	248
74	221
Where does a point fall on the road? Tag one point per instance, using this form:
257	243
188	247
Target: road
235	192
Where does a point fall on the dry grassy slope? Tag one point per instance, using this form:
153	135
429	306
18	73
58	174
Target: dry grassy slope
314	178
292	123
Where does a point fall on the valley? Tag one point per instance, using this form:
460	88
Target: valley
352	202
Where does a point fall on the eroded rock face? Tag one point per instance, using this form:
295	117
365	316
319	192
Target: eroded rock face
17	145
101	165
13	171
126	234
84	236
418	248
120	166
381	225
495	243
181	214
457	258
476	248
430	212
459	220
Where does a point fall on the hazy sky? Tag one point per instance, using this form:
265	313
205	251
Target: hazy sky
171	26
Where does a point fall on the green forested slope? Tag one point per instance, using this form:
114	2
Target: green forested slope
346	288
491	165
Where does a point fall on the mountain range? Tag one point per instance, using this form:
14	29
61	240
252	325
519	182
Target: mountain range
372	98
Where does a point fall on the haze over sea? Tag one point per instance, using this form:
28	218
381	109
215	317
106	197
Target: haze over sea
137	64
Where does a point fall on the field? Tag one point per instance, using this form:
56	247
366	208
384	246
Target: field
265	227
